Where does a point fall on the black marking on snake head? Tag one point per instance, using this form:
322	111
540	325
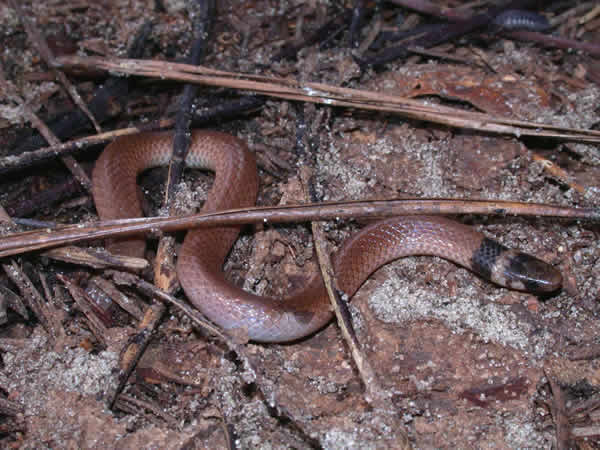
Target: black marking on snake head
534	274
484	258
303	317
514	269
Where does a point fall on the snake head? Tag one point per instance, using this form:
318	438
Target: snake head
514	269
527	273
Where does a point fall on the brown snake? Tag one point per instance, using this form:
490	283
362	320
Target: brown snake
201	258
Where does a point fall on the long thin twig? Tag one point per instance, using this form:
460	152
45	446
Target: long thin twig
26	159
332	96
18	243
374	392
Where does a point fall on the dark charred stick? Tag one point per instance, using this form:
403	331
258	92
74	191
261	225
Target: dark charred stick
105	104
33	32
181	140
108	101
68	161
328	42
227	109
202	11
43	199
224	110
13	301
135	348
432	9
84	304
514	22
331	28
123	401
448	32
554	41
358	19
443	33
395	36
43	311
125	302
32	223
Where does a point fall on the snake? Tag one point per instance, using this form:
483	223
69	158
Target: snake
304	311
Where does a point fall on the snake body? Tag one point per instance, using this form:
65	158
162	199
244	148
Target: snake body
201	257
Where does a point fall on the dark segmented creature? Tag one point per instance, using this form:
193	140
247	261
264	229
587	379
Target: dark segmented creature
517	19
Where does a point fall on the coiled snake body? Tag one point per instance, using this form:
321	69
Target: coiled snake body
201	258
